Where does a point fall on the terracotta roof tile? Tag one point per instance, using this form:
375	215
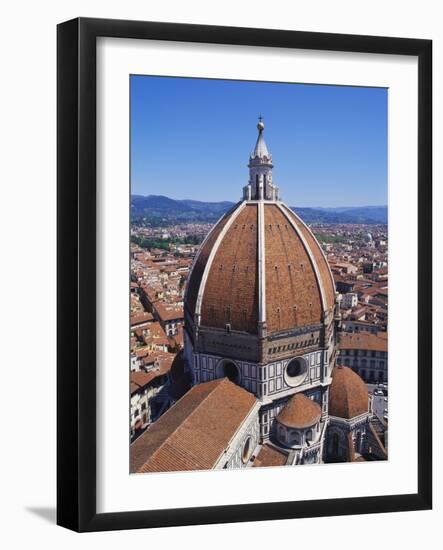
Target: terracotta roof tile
292	293
168	313
195	431
231	290
363	340
201	259
230	296
140	379
140	318
348	395
322	263
270	456
300	412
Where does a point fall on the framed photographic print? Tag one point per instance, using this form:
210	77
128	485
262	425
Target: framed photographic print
244	274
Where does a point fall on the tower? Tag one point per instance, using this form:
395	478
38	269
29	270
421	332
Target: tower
260	309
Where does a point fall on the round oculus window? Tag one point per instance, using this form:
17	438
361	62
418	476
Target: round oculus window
296	371
247	449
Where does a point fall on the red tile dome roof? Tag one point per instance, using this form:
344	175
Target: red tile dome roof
259	245
348	395
300	412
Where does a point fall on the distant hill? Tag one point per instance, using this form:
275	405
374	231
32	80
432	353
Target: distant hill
379	214
357	214
159	209
216	207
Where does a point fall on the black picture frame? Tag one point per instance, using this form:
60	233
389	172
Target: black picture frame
76	282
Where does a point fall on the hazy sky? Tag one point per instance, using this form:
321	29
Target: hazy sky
191	139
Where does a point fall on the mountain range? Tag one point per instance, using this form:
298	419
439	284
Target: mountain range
158	208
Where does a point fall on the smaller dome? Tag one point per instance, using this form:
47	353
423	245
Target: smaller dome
348	395
299	412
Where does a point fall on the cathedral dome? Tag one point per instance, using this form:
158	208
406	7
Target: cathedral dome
348	395
260	267
300	412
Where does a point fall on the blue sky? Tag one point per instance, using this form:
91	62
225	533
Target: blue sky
191	138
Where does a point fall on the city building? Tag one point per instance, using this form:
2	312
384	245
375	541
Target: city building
366	354
170	318
149	397
349	325
349	300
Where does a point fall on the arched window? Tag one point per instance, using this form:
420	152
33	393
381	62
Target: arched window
230	370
